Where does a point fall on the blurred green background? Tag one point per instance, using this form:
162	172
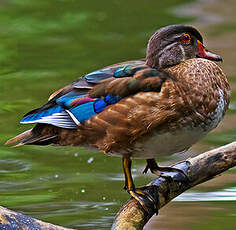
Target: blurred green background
45	45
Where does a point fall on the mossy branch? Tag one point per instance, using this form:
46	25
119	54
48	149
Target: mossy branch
163	189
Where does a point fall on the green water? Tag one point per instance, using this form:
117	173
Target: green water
44	45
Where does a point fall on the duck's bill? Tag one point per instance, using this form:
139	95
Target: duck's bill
204	53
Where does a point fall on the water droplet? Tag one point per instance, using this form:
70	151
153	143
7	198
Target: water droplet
76	154
90	160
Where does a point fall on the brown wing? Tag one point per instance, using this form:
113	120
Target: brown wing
122	123
144	80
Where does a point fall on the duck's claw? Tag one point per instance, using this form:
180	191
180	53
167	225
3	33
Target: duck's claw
157	170
145	199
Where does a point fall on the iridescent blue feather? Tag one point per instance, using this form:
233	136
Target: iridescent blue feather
66	116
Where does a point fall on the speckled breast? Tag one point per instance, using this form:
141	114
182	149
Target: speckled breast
207	92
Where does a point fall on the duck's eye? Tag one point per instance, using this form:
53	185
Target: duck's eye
186	38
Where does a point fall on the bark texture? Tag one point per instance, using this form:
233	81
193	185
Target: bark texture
10	220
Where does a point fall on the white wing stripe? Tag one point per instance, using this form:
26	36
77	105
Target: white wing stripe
62	119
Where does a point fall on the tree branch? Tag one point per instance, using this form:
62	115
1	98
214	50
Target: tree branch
163	189
11	220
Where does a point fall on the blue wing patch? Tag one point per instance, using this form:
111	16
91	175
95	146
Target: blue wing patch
55	116
100	105
65	115
38	116
84	111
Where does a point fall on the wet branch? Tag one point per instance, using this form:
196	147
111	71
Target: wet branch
163	189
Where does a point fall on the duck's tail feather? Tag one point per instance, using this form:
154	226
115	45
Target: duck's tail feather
20	137
40	135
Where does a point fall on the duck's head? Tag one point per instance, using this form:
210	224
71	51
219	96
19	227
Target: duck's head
173	44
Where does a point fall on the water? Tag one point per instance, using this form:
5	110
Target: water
227	194
46	45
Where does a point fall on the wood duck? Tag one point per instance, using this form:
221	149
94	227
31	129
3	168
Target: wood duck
162	104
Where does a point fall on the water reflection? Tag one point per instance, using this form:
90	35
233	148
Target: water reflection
13	166
228	194
67	207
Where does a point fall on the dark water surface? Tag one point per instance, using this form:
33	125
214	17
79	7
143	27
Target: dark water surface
44	45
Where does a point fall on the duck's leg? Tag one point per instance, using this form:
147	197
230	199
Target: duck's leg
137	194
155	169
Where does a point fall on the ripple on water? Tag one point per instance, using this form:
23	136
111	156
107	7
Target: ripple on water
75	209
13	166
65	208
